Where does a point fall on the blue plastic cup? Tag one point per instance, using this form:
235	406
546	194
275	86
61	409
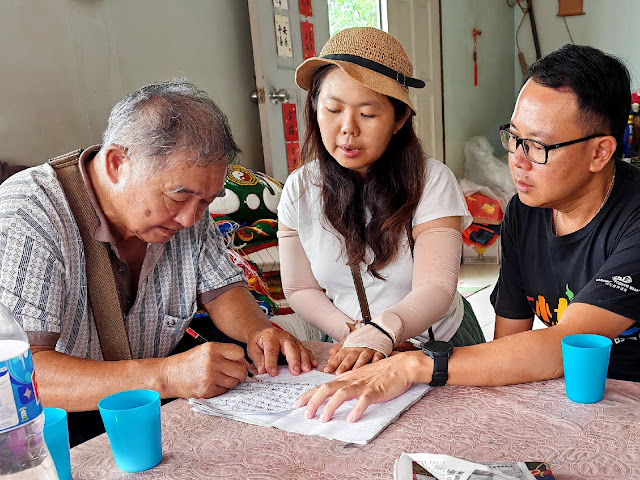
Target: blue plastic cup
586	361
132	422
56	435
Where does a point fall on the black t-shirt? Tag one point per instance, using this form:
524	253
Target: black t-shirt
598	265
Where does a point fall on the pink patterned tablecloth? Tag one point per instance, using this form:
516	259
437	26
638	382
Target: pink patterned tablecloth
517	423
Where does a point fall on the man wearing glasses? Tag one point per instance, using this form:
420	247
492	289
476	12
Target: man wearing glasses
570	238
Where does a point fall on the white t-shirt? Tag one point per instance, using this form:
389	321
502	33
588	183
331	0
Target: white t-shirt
300	209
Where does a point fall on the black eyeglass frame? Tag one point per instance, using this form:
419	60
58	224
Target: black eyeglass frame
547	148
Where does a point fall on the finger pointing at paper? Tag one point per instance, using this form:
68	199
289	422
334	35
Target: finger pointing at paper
264	346
373	383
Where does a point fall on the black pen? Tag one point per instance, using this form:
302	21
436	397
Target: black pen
201	339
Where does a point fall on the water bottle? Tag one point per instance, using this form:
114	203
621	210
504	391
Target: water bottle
23	451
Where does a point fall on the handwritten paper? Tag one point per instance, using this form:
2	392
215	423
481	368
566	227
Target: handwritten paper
308	41
305	8
283	35
290	120
293	155
268	403
269	395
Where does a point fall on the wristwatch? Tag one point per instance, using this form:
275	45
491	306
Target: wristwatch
440	352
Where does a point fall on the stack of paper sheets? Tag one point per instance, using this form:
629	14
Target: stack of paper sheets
269	401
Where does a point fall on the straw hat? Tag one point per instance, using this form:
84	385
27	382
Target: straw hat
371	57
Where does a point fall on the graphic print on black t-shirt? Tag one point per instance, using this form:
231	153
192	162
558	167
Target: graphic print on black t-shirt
625	285
543	310
551	316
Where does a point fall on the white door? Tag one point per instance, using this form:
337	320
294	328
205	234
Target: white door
276	72
416	23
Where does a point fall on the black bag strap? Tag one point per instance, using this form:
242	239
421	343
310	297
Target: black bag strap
103	290
357	280
362	296
362	300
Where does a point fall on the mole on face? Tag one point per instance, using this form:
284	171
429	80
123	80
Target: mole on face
147	213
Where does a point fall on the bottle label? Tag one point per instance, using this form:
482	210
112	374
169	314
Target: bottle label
19	399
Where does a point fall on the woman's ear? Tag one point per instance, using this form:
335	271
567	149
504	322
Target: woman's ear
401	121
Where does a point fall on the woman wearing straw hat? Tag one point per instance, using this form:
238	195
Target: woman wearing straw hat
369	207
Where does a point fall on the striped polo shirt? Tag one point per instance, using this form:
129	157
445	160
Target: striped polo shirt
43	278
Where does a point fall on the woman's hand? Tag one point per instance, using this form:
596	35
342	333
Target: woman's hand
370	384
344	359
335	349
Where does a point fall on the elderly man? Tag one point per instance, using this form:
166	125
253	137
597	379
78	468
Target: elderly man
571	242
163	160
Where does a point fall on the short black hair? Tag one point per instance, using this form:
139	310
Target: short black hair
599	80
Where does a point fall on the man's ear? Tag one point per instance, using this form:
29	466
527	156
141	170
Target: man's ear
604	150
115	158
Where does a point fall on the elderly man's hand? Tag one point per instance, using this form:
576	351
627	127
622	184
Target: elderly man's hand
205	371
265	344
373	383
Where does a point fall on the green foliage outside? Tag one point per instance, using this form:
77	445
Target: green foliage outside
353	13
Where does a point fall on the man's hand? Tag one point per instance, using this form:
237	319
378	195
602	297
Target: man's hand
265	344
344	359
237	314
205	371
370	384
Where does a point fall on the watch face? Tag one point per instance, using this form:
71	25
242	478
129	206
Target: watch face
438	346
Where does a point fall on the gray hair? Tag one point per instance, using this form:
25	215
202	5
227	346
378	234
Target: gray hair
164	118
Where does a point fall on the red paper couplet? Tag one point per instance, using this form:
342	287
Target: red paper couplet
290	120
290	123
293	156
305	8
308	42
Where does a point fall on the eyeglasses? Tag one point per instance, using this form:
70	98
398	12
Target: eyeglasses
536	152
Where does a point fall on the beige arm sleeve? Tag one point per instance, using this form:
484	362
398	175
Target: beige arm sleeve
436	264
302	290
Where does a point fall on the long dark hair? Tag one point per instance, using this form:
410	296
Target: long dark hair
389	194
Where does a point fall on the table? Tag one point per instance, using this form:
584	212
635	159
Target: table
531	422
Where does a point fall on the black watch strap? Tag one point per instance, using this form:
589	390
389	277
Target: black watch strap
440	352
440	371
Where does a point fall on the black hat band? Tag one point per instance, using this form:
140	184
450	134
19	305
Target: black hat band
399	77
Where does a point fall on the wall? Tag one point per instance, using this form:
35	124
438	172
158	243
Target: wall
65	63
476	110
608	25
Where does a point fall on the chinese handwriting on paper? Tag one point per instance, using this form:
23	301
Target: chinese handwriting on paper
293	155
290	122
261	397
291	138
305	8
308	42
283	36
